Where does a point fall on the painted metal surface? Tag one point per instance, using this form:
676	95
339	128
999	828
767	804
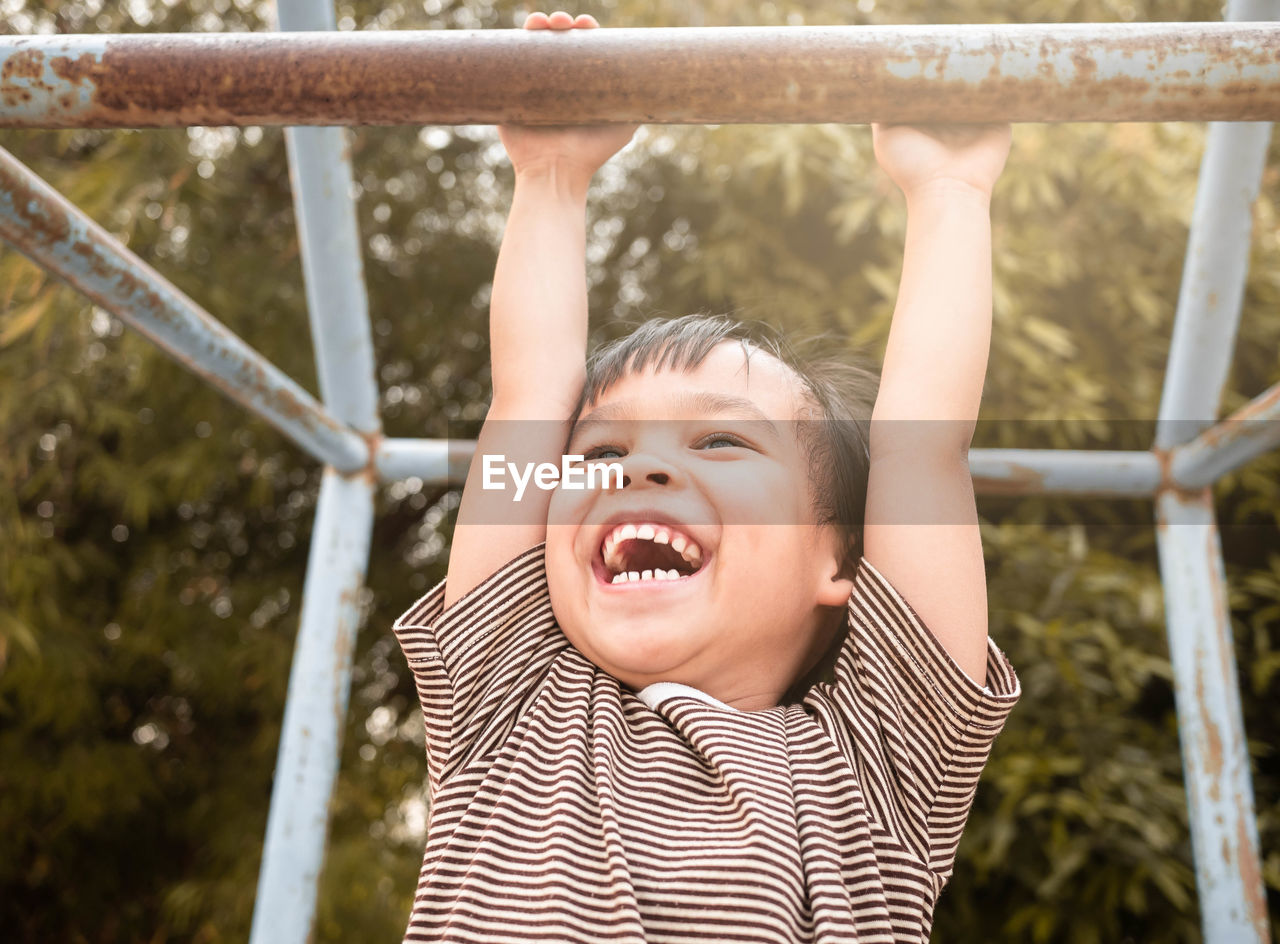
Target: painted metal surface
1213	277
1105	473
315	713
800	74
1215	758
42	225
1242	436
435	461
337	303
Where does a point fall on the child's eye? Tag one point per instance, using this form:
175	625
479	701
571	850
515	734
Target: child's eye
719	441
602	452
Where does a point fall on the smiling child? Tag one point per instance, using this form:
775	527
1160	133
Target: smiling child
744	691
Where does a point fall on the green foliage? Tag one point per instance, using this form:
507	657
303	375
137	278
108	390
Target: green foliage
155	535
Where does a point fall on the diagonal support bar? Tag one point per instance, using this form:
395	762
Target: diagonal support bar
699	75
1245	434
43	226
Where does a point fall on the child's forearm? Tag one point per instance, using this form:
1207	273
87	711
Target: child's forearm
538	307
936	356
538	337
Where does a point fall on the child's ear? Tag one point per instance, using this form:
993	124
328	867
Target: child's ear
836	582
836	590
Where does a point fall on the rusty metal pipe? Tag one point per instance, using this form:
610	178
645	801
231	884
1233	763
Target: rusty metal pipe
715	75
42	225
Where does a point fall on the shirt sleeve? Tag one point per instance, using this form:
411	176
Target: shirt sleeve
916	728
476	663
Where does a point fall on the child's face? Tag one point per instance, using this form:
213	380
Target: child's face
744	623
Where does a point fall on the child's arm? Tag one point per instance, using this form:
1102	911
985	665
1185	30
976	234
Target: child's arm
537	333
931	382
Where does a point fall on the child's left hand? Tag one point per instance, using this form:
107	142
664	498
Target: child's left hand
919	156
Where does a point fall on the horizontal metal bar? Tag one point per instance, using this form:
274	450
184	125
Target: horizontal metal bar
43	226
714	75
1105	473
1114	474
435	461
1245	434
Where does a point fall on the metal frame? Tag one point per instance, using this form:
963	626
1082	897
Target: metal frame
1076	72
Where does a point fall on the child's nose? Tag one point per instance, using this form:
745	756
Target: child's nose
658	478
646	468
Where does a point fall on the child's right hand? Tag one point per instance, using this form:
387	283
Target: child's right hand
579	150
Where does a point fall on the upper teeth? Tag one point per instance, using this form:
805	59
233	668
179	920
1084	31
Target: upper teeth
684	545
630	575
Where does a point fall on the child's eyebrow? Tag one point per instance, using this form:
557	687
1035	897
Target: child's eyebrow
697	405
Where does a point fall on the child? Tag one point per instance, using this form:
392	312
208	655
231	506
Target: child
604	672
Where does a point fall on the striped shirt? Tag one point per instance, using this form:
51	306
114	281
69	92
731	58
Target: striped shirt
566	807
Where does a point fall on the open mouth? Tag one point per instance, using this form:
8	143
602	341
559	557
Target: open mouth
636	552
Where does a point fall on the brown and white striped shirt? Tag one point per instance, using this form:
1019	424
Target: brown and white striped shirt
566	807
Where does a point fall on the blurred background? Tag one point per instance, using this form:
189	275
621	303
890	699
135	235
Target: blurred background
153	536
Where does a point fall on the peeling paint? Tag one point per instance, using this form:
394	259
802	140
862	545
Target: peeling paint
1211	755
1248	862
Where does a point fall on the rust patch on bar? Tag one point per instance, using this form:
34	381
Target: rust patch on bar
38	228
28	64
23	77
344	647
1021	480
369	471
1250	871
1213	741
85	67
1167	482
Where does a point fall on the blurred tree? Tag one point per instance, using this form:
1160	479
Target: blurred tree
156	535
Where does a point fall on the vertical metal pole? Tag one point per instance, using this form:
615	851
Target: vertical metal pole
315	712
1215	758
1217	262
319	682
320	169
